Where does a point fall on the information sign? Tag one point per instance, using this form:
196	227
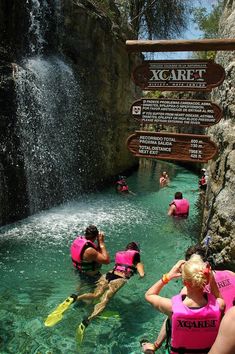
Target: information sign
174	112
169	146
178	75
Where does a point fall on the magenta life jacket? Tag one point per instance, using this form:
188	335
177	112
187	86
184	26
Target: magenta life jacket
124	188
226	284
79	245
194	329
122	185
124	262
182	207
202	181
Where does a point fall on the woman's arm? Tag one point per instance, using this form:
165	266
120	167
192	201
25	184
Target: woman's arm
163	304
215	291
140	269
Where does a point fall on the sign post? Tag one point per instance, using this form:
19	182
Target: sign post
169	146
176	112
178	75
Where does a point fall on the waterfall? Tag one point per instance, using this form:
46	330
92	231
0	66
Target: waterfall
49	119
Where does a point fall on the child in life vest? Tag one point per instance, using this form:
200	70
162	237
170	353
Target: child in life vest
195	315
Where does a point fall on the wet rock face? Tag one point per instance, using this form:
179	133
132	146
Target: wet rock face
94	44
97	48
13	195
219	216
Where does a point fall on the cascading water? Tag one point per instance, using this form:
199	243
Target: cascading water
49	119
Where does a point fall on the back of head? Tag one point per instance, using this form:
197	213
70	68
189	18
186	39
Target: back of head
91	232
194	272
178	195
196	249
132	246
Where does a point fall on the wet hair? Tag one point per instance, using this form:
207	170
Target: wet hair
196	249
193	272
91	232
178	195
132	246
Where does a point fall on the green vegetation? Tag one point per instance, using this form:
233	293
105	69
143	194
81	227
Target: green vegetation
150	19
208	23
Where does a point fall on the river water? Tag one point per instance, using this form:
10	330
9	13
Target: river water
36	272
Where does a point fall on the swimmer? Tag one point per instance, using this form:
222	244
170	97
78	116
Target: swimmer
200	305
179	207
127	263
164	179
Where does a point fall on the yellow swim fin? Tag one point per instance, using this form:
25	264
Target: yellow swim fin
81	330
57	314
105	315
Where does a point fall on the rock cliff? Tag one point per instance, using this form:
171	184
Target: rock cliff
219	215
94	45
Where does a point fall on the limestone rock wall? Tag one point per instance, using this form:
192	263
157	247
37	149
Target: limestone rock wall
94	44
219	215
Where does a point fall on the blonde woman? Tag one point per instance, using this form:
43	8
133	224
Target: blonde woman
195	317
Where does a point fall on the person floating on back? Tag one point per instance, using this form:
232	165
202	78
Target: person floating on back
179	207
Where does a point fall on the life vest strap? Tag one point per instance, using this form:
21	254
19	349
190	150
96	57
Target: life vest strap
182	350
126	266
81	266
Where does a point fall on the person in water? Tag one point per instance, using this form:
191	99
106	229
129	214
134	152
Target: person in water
226	284
88	256
179	207
164	179
127	263
225	340
122	186
203	180
197	310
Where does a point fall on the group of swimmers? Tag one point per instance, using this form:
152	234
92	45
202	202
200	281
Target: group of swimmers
179	207
193	316
88	253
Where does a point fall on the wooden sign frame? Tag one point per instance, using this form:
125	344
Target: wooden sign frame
178	75
169	146
200	113
180	45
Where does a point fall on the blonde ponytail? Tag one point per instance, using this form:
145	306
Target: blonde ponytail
193	272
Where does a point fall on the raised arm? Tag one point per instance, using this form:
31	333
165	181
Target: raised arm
163	304
101	256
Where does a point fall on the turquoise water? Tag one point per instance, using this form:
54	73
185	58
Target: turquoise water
36	272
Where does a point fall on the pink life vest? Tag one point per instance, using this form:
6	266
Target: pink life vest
124	262
194	328
226	284
182	207
77	249
124	188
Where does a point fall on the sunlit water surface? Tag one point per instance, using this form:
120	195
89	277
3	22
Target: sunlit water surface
36	272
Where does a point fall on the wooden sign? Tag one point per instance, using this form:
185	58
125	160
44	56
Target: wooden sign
174	112
180	45
169	146
178	75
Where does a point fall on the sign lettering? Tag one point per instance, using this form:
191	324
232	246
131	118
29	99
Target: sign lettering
196	324
169	146
178	75
174	112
